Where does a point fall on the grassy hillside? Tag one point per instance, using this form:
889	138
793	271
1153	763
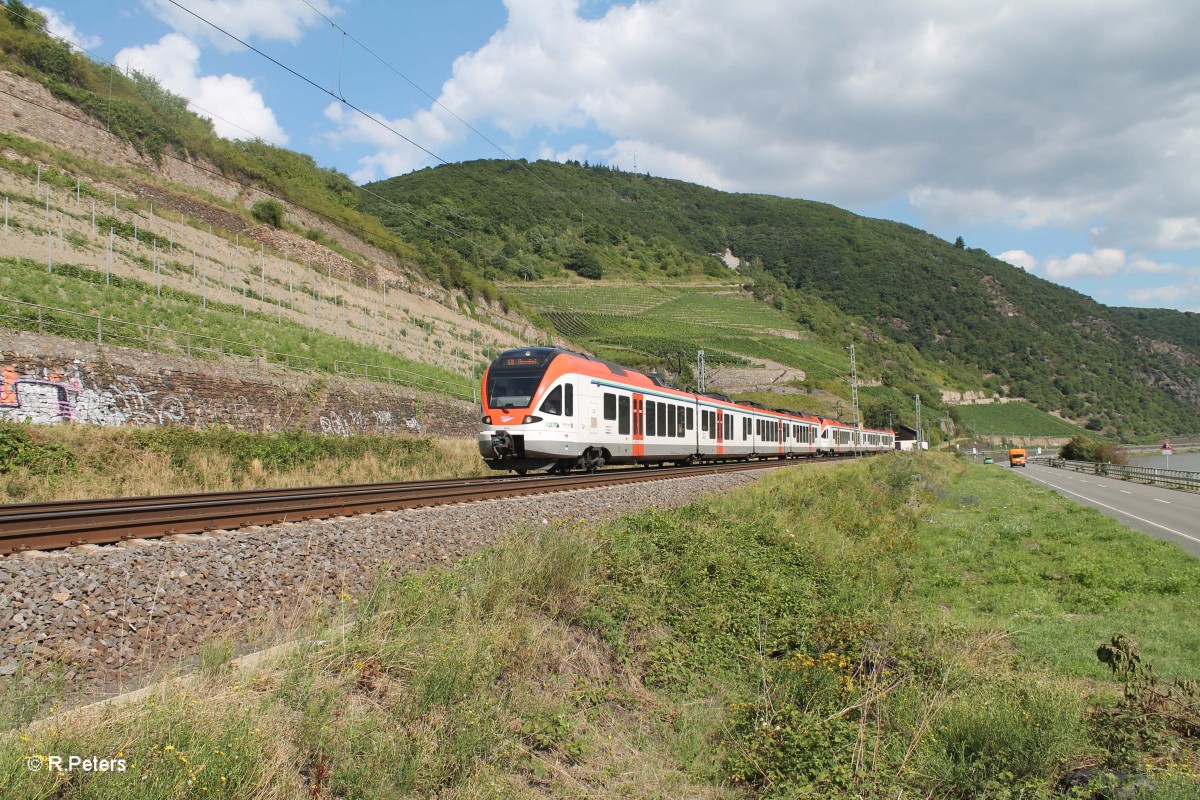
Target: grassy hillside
975	319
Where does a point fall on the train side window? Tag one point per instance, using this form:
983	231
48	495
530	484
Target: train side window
663	430
671	420
729	427
681	431
712	424
651	428
623	416
569	400
691	418
610	405
553	402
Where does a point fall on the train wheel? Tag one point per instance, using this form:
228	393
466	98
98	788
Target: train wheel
520	471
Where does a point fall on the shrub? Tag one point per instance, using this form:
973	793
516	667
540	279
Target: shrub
19	448
1081	448
268	212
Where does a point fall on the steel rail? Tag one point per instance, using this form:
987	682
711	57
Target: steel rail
49	526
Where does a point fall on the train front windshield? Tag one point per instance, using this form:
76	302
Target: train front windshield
513	378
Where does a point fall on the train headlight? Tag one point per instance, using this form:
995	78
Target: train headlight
486	420
529	419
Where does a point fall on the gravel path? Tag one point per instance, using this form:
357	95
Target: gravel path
115	614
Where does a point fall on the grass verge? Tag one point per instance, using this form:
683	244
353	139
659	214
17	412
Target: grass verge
774	642
41	463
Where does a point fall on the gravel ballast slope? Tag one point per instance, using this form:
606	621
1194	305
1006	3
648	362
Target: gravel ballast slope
115	614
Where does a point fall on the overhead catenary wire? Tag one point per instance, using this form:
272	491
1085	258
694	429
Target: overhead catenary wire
507	155
439	225
353	107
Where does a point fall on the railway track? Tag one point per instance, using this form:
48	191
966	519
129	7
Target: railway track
50	526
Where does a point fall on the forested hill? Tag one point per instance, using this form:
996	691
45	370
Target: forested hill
1123	371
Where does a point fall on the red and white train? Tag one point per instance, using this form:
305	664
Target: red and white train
549	408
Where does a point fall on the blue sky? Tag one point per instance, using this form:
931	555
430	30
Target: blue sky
1063	137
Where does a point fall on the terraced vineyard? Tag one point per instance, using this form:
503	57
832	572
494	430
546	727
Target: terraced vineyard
1015	419
639	324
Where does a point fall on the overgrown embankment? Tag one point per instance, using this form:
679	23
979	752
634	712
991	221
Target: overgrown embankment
817	634
40	463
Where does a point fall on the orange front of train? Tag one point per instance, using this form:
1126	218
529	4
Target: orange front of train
526	410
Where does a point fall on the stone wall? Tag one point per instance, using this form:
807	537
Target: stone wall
46	379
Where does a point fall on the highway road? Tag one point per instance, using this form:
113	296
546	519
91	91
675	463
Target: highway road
1169	514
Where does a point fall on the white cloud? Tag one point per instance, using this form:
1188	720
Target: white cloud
1184	295
1143	266
236	109
1103	263
281	20
814	100
393	137
57	26
1177	233
1019	258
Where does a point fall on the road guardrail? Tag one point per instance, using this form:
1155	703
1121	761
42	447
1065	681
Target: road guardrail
1172	478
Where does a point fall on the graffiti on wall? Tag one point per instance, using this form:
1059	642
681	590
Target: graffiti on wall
355	422
55	396
49	396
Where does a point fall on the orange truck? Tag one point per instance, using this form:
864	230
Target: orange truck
1016	457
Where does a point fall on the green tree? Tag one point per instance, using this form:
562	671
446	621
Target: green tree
583	262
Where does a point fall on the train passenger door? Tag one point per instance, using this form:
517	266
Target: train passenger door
720	431
639	438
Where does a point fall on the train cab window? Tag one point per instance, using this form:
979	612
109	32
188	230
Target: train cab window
623	416
610	405
663	430
691	419
569	400
553	402
651	428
